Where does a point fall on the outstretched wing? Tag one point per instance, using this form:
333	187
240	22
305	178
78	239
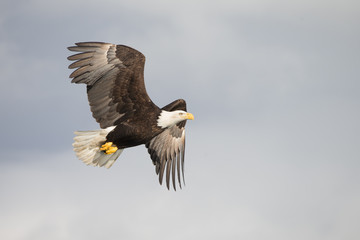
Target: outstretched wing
167	150
114	75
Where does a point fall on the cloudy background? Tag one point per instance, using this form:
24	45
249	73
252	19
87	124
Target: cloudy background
273	153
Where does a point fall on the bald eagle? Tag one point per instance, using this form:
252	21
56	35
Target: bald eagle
114	77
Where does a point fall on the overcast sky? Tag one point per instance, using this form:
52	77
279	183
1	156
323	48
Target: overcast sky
273	152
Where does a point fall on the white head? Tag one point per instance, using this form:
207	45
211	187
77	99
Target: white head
168	119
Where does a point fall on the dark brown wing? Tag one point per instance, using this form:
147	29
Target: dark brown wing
167	150
114	75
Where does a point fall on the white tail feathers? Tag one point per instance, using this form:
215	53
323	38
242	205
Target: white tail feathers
87	148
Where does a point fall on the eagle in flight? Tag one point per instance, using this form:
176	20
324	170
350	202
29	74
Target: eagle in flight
114	78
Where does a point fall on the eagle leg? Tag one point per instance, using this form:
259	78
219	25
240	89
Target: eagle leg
108	148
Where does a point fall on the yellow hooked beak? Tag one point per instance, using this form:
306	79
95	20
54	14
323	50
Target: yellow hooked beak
189	116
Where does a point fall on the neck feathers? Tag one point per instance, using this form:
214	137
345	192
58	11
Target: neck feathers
166	119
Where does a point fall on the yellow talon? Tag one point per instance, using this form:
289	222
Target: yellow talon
108	148
111	150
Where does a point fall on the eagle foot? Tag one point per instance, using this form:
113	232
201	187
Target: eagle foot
108	148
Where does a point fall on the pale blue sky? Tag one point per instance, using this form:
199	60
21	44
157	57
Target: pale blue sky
273	152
